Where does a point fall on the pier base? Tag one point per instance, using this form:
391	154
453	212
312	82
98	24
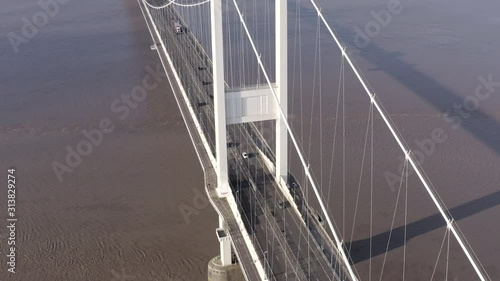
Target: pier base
218	272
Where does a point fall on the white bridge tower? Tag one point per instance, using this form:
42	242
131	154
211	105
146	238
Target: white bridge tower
248	105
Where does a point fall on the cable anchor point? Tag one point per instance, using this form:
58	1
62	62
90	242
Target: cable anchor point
344	52
407	155
450	224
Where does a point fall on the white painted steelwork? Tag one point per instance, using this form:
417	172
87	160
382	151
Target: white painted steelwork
219	98
250	105
282	89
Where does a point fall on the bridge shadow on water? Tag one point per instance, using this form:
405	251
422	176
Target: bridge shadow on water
421	84
440	97
436	94
360	250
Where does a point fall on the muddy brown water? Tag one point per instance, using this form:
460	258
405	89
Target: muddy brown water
115	215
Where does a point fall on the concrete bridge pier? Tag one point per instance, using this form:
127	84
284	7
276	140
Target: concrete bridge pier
219	272
223	267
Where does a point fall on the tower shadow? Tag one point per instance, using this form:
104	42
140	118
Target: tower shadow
360	249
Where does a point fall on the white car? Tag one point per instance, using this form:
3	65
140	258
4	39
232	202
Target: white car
244	155
177	28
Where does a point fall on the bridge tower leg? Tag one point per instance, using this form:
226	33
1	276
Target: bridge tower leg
220	266
219	98
282	89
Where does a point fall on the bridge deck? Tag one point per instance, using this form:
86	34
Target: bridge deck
285	248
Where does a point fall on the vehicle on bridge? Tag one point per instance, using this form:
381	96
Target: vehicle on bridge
178	28
283	204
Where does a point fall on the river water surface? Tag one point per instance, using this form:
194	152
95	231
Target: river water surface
116	214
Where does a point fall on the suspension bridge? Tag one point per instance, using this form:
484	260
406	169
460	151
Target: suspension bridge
228	65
